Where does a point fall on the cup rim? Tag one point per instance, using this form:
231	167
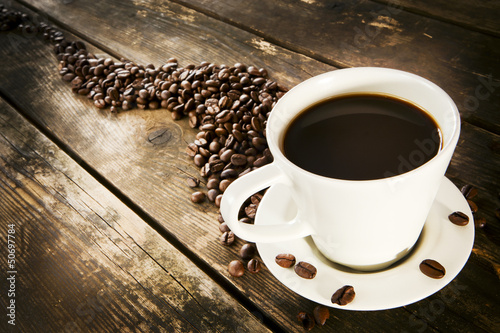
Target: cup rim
273	138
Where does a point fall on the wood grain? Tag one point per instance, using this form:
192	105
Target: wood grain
85	261
475	15
364	33
152	177
153	31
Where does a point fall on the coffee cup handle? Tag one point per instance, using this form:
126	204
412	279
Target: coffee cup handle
241	189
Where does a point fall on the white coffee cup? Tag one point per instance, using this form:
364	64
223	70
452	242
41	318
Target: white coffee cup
363	224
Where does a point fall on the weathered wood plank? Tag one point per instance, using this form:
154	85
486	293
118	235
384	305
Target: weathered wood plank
152	32
364	33
86	262
116	146
476	15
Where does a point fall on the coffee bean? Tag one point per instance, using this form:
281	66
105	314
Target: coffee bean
214	147
113	93
236	268
252	70
224	184
257	124
100	103
305	270
458	218
193	121
256	198
472	205
218	200
201	141
285	260
76	84
99	69
153	105
205	171
204	152
212	194
227	238
251	210
321	313
223	227
98	95
261	161
469	191
432	269
306	320
254	266
343	295
238	135
238	159
192	181
199	160
216	166
198	197
213	183
246	220
226	155
247	251
259	81
229	174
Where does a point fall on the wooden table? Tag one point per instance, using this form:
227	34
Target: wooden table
106	236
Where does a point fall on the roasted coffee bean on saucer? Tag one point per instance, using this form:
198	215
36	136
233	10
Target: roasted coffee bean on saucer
344	295
432	269
305	270
458	218
285	260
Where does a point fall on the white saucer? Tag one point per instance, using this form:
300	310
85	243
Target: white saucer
401	284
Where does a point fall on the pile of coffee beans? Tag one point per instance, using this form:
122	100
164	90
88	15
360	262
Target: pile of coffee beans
228	105
343	295
228	101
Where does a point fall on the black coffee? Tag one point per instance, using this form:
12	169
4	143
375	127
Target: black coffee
362	137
